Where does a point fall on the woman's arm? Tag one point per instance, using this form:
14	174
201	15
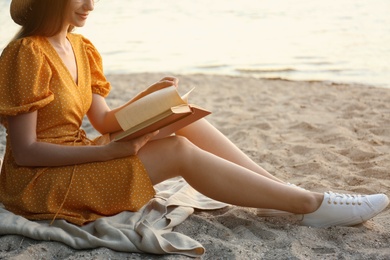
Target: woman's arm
28	151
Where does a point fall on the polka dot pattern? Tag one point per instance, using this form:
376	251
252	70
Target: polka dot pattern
33	77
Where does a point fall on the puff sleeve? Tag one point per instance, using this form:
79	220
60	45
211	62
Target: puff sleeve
99	83
24	78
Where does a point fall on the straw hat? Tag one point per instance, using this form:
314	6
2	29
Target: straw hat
19	10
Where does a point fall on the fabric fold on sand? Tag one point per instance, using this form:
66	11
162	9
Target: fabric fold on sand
149	230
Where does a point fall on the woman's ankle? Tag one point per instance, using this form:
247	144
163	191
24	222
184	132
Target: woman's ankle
311	203
318	198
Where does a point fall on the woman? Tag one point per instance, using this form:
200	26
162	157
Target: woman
50	78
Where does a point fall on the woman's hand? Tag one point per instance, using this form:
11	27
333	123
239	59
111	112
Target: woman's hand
127	148
162	83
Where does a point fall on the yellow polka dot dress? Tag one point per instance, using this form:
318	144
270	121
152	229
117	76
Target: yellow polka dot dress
33	77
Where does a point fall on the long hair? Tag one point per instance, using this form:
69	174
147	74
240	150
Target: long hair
45	18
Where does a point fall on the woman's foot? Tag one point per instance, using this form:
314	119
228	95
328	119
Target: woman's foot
262	212
345	209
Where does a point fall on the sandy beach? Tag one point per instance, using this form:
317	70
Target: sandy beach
318	135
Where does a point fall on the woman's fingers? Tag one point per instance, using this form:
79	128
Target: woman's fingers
171	80
130	147
137	143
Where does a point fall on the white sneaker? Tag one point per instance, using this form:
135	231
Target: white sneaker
345	209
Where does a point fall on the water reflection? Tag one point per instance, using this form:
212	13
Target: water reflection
339	40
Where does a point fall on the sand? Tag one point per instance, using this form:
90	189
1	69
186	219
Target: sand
319	135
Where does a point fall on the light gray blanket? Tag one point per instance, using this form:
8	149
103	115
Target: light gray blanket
148	230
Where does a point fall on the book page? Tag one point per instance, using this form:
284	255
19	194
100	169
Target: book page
149	106
185	96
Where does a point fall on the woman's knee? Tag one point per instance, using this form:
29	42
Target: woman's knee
173	149
167	158
182	147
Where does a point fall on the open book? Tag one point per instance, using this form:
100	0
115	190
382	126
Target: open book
162	110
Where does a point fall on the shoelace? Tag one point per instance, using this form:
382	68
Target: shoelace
347	199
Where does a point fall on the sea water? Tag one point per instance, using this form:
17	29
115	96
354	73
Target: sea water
334	40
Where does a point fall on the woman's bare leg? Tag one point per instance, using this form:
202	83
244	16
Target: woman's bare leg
221	179
207	137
